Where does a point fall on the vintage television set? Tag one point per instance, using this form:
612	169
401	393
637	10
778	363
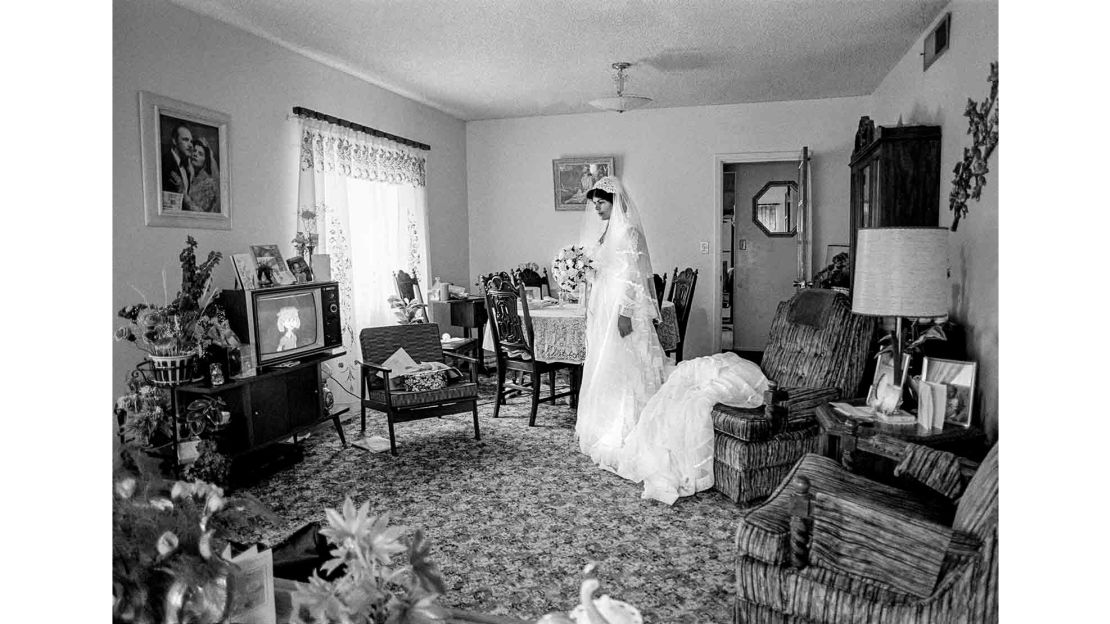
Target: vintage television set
285	323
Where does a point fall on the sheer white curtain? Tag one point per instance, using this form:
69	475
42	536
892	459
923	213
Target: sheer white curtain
365	199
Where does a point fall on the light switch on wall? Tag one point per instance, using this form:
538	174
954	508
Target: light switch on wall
743	244
705	247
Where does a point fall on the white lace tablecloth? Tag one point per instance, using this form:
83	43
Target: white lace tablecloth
561	332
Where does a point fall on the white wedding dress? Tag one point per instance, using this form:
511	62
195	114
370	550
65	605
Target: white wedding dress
671	447
620	374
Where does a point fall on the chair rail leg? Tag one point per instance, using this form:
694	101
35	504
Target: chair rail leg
477	431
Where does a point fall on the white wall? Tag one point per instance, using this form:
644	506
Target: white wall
162	48
666	158
938	97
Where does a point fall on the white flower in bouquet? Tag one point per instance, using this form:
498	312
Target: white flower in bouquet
571	266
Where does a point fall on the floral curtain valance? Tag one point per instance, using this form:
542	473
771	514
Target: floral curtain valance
328	148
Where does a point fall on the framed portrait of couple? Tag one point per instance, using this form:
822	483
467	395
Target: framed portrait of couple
186	169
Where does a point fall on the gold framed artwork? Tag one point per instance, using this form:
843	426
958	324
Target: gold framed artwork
575	176
185	160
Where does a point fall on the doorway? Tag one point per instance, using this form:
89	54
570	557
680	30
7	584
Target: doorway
759	263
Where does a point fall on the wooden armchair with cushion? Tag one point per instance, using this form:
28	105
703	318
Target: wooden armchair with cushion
816	352
831	547
379	392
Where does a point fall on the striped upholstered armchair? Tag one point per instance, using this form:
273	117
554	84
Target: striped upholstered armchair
832	547
816	353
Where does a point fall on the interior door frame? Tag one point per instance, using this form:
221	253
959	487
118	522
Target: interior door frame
719	161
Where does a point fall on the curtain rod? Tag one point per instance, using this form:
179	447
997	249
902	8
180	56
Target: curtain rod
308	112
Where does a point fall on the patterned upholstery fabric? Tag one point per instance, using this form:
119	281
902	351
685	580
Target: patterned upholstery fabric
456	391
861	540
764	531
769	590
936	469
812	365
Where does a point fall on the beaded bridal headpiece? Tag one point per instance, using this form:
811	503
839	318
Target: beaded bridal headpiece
606	184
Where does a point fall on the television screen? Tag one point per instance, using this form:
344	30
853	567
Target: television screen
287	322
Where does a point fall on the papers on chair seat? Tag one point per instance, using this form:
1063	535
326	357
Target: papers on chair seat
399	362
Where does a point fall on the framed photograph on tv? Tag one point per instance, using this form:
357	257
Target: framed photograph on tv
575	176
245	270
960	379
271	268
300	269
186	168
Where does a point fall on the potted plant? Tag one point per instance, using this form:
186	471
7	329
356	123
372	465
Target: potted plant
406	313
371	589
175	333
166	544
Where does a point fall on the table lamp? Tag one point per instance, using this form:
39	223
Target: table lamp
901	272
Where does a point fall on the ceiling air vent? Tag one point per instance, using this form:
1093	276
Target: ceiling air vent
937	41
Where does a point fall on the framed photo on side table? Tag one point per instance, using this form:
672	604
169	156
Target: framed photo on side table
960	379
575	176
186	169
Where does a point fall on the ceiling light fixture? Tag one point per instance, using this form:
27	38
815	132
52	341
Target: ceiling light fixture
622	102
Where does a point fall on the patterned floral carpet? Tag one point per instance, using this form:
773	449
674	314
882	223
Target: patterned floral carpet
513	518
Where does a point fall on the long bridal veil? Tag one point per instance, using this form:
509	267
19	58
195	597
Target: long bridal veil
620	373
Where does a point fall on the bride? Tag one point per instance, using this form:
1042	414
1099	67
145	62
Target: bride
625	364
629	421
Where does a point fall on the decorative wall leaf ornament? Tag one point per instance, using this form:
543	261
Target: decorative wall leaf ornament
971	172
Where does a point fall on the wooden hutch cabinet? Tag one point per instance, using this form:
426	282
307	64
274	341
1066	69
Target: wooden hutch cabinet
895	178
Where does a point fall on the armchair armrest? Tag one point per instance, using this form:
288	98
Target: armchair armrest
368	369
941	471
856	537
790	408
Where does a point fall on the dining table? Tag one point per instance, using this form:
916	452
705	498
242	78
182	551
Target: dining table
560	331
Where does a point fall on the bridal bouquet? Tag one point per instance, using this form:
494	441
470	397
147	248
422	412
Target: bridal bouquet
571	266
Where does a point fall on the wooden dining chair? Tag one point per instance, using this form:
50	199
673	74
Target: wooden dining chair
531	279
514	346
660	286
682	295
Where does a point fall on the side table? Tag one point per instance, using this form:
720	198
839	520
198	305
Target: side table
841	435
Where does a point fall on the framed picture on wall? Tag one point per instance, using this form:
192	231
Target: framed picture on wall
575	176
186	169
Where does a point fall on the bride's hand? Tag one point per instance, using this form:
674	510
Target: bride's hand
624	325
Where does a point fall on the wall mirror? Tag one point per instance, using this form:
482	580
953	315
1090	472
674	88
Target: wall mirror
775	208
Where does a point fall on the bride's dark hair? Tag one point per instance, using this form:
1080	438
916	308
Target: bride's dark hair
592	193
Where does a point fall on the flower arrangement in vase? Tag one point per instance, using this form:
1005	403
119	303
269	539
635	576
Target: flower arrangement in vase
187	326
571	267
372	589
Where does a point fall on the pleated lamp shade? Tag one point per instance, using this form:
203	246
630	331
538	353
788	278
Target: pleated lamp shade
901	272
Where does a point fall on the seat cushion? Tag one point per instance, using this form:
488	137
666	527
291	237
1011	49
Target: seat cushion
764	531
453	392
752	424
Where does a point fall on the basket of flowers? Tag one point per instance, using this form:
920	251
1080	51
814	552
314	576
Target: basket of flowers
571	267
174	334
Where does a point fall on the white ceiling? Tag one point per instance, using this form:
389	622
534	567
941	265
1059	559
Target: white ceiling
489	59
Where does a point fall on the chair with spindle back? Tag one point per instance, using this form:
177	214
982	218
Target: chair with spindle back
514	347
682	295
